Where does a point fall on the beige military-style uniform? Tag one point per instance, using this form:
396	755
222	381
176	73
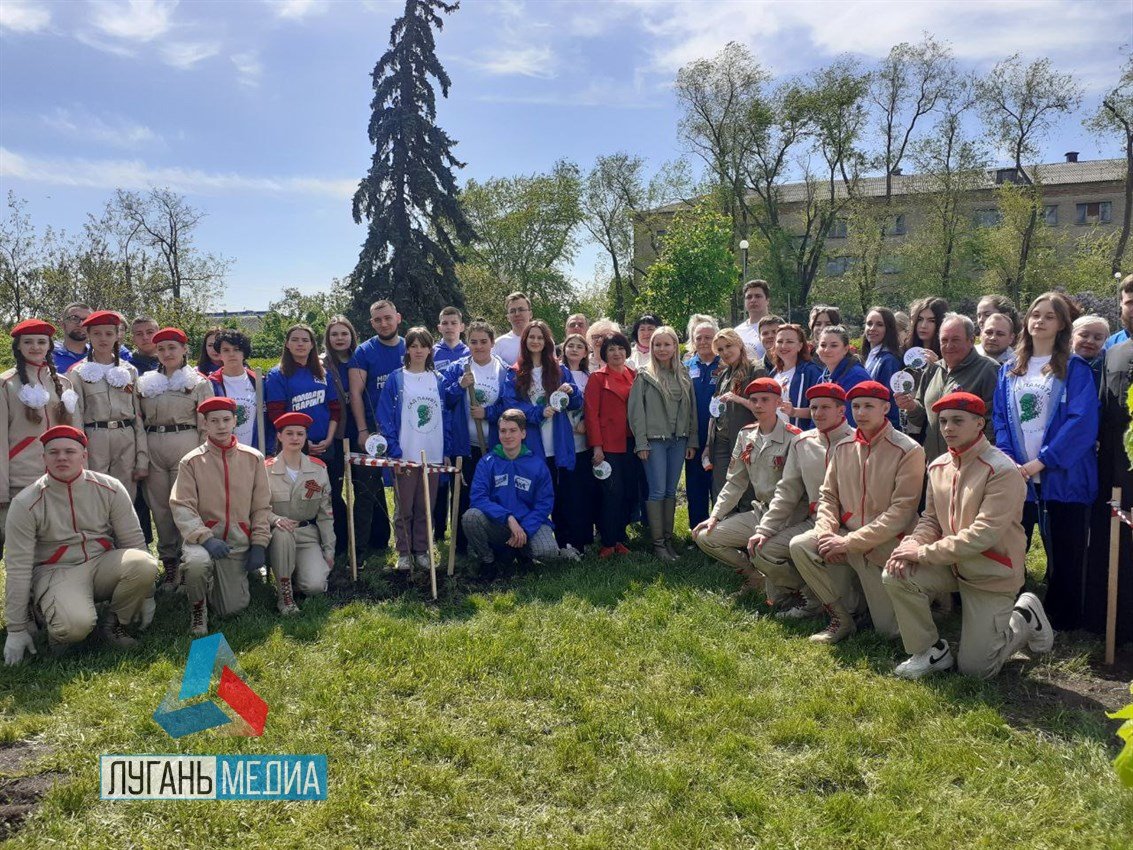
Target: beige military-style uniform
20	435
112	420
169	412
71	544
220	492
971	540
785	518
870	495
756	465
301	555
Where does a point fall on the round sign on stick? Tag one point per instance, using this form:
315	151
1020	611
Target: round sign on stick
376	445
559	400
603	470
716	408
916	358
902	382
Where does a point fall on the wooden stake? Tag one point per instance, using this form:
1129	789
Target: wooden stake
428	522
1111	601
260	413
457	481
348	481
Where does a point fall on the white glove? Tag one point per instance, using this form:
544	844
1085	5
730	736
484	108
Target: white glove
16	645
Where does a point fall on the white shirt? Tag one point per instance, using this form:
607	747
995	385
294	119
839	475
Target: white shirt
240	388
749	333
576	416
487	390
507	347
1034	405
640	359
421	426
539	399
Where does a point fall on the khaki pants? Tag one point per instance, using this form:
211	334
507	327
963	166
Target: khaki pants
727	542
298	555
165	453
991	631
833	583
223	582
66	596
113	452
773	559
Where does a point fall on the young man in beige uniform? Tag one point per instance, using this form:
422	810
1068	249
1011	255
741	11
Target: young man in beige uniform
758	460
770	545
868	500
221	503
301	552
73	539
970	539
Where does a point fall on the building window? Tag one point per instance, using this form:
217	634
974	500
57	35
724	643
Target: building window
837	266
1050	214
838	229
987	218
1099	212
897	225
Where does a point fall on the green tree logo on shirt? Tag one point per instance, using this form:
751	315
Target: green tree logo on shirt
481	396
1030	407
424	415
241	414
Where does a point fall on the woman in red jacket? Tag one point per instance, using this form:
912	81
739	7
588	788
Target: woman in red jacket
607	433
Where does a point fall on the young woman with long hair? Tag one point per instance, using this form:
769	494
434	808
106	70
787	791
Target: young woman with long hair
580	488
841	366
299	385
607	434
340	339
822	316
926	315
208	360
736	371
881	351
1046	419
795	372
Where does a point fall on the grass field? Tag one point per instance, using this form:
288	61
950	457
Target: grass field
603	705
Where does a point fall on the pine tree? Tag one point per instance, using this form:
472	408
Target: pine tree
409	196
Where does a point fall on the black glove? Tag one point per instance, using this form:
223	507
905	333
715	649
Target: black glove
216	548
256	557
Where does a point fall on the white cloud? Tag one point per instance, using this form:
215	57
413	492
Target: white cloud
516	61
249	69
134	20
297	10
135	174
599	92
109	129
186	54
23	17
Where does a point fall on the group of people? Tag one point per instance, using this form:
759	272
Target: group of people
863	483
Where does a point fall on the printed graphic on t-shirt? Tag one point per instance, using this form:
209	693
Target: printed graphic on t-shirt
426	413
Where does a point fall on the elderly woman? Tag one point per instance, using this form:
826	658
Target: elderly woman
1087	340
606	413
597	334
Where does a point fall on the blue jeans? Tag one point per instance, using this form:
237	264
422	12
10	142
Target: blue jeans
663	467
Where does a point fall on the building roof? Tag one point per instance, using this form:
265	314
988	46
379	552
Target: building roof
1049	174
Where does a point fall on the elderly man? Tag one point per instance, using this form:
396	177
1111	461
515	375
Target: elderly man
997	338
73	540
960	369
577	323
868	500
969	539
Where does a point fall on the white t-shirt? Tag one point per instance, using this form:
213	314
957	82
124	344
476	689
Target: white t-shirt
539	399
749	333
240	388
487	390
784	379
1034	405
293	474
576	416
421	425
640	359
507	347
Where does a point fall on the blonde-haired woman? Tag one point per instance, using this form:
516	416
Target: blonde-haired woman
662	415
729	406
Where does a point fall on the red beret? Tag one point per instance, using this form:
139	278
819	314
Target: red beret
301	419
763	385
827	390
968	402
217	402
33	326
63	432
170	335
868	389
103	317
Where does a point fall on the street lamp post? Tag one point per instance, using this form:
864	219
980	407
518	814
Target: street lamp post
743	247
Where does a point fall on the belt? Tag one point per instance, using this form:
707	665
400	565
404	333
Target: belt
169	429
112	424
305	523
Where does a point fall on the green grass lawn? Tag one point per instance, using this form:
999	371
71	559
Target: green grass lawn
604	705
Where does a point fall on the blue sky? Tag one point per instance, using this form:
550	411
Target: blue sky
257	109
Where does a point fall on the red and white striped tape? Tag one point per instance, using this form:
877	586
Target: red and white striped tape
359	459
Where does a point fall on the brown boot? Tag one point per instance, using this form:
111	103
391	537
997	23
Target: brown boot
657	532
841	626
198	619
668	518
285	598
113	632
172	578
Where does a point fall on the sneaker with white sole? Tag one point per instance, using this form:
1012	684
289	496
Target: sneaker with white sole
799	608
404	562
422	560
936	658
569	553
1042	635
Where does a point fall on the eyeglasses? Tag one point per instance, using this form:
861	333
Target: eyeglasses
74	319
515	311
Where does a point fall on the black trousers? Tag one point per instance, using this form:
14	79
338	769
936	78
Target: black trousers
371	515
142	510
467	471
335	470
1065	530
619	495
575	499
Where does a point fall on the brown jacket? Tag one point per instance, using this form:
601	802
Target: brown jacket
104	402
757	462
796	494
54	523
306	499
19	436
972	517
222	492
872	489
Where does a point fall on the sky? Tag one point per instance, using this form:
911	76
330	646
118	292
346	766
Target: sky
256	110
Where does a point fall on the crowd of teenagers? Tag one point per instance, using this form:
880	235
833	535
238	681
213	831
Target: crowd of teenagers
857	483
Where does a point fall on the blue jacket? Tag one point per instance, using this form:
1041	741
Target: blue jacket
703	377
520	488
883	369
1071	470
848	374
456	398
1113	339
389	413
807	374
443	356
560	427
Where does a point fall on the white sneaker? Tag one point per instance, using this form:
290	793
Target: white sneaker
422	561
404	562
569	553
1042	635
936	658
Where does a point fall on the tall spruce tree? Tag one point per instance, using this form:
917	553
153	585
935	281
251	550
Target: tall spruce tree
409	196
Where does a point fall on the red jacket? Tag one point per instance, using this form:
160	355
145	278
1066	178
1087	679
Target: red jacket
606	409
